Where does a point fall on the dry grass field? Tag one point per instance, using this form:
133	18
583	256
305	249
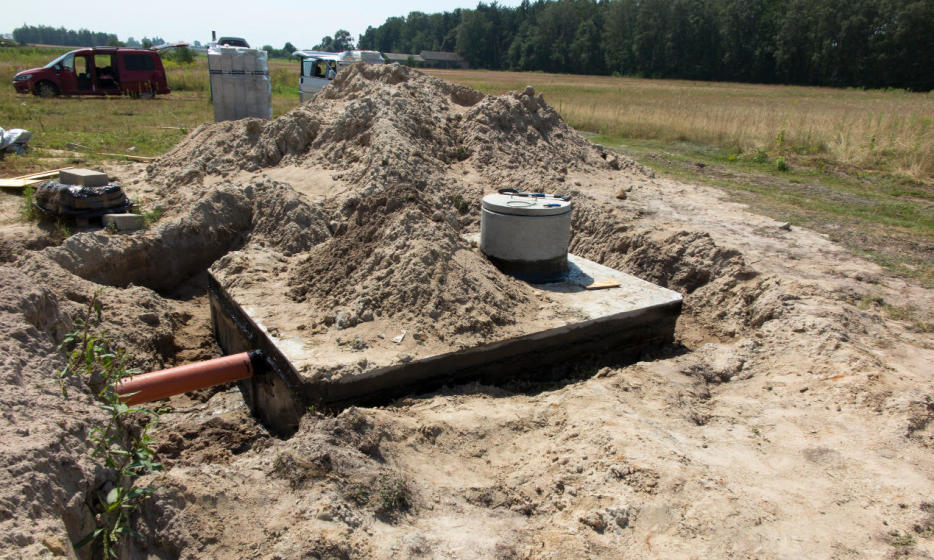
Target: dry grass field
878	130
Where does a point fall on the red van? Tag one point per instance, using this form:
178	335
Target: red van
97	71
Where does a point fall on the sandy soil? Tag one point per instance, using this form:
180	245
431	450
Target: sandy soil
792	418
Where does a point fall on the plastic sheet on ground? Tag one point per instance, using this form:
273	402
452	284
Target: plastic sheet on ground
59	199
14	140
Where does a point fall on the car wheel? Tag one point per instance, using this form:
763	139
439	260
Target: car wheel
46	89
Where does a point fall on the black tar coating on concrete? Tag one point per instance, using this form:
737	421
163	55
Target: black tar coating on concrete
281	396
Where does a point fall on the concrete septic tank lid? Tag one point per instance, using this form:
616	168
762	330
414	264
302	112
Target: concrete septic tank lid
526	236
567	319
516	205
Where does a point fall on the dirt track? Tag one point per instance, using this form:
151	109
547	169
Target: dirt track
786	422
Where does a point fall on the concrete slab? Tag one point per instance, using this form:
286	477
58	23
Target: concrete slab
628	315
123	222
82	177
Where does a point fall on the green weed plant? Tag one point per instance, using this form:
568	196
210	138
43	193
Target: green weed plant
124	449
28	212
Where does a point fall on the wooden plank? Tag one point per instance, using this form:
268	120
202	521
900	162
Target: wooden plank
602	285
127	156
18	183
29	180
42	174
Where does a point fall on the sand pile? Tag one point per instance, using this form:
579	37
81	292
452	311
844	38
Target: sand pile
387	241
409	158
389	124
403	258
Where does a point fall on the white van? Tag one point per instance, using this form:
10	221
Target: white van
318	68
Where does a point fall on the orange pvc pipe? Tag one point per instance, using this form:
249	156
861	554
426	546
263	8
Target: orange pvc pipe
182	379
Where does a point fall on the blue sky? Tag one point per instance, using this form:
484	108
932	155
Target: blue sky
260	23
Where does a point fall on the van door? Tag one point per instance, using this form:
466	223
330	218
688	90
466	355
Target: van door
83	77
105	69
312	78
67	80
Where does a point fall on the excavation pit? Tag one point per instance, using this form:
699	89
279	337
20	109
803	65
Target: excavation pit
594	309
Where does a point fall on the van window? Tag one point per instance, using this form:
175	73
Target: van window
138	62
321	69
68	63
106	73
307	63
104	63
59	60
81	65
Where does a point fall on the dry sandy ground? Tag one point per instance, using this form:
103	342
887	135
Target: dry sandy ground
791	419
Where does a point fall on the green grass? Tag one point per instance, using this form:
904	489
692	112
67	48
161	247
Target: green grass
28	212
876	215
77	130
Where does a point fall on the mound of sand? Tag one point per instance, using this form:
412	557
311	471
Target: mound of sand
402	258
394	248
384	125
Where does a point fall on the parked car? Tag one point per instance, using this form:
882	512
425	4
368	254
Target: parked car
318	68
232	42
97	71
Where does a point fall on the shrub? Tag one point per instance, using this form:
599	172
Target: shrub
180	55
394	495
124	449
28	212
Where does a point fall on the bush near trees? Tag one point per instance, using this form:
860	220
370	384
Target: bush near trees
180	55
861	43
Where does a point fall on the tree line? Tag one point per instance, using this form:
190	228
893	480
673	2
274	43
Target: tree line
861	43
143	43
341	41
285	52
47	35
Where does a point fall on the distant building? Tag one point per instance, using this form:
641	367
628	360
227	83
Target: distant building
430	59
403	58
444	59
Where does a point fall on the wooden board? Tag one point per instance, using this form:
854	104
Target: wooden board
127	156
602	285
23	181
130	157
44	174
18	183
